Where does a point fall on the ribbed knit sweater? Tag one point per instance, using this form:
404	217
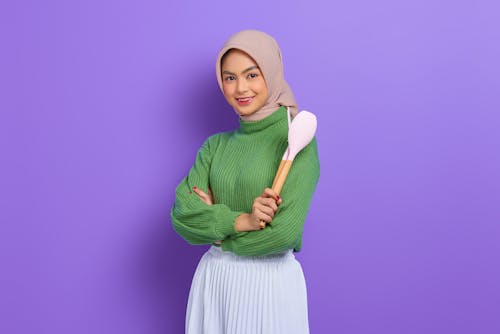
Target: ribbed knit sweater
237	166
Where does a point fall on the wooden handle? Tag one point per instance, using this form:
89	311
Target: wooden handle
279	180
278	172
281	177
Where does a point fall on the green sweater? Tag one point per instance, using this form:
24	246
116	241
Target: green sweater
237	166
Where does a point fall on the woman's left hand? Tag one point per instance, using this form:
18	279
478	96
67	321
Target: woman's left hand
207	198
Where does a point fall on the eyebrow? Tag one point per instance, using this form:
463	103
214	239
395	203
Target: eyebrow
248	69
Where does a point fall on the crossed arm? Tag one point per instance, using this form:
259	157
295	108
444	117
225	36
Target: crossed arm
199	220
263	209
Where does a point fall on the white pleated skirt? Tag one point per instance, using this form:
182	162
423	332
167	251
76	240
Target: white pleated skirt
231	294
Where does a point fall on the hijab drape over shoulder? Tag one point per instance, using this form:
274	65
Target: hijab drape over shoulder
266	53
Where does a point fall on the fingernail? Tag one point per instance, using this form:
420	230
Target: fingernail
195	188
278	197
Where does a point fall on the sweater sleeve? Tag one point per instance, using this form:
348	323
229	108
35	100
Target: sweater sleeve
193	219
285	231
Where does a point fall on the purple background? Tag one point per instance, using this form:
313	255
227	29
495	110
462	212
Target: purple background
105	103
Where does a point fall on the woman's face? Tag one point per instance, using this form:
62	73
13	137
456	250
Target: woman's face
243	84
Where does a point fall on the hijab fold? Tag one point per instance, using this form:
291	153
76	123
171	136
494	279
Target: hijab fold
266	53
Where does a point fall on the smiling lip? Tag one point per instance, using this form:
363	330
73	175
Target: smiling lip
243	101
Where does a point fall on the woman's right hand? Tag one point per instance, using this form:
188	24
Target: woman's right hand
263	209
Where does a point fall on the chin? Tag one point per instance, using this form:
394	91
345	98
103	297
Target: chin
245	112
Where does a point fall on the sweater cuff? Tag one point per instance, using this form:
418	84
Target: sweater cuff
224	224
226	245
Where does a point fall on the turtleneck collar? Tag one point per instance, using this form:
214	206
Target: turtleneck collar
256	126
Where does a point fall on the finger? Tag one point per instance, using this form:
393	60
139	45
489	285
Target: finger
270	193
261	206
263	216
268	211
272	204
201	193
269	202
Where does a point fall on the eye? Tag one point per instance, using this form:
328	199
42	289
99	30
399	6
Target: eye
229	78
252	75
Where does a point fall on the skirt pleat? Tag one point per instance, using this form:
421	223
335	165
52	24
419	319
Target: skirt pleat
231	294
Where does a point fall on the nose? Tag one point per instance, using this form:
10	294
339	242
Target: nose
242	86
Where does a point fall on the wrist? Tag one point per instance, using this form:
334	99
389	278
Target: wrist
242	222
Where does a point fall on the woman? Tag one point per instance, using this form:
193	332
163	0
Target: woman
249	280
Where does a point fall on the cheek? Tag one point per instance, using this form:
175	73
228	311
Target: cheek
263	90
262	86
226	90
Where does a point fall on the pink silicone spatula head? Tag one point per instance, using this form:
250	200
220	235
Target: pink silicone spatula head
301	132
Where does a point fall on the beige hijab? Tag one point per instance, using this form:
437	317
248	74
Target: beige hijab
266	53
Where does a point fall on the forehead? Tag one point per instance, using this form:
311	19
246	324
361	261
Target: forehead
237	59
